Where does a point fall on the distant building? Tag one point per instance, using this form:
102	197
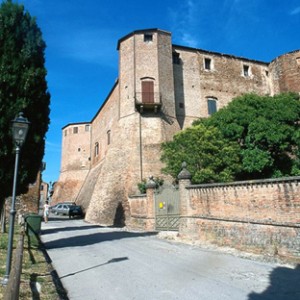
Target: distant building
162	88
44	192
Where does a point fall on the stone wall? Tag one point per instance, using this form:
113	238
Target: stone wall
142	209
285	72
224	81
69	186
256	216
138	211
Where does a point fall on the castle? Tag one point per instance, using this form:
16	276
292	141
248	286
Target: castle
161	89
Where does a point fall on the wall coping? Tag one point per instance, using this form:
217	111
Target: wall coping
244	221
246	182
137	196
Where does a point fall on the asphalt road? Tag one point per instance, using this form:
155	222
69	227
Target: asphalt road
96	262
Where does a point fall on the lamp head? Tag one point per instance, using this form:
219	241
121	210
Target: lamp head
20	126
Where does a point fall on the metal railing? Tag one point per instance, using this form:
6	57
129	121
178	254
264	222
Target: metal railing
147	98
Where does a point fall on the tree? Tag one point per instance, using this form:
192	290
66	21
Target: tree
209	156
23	87
267	130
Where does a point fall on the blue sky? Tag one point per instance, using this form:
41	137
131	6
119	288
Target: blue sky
82	36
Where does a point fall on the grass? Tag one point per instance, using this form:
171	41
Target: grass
38	277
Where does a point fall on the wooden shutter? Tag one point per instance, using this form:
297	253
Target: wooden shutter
147	92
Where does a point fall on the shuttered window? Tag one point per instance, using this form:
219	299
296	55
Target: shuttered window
211	105
147	92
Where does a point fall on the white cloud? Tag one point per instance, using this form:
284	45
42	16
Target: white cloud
295	11
53	147
189	40
185	20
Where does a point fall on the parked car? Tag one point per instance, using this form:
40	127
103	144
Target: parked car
75	210
62	209
54	207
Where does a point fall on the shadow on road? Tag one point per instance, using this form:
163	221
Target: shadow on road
95	238
114	260
69	228
284	284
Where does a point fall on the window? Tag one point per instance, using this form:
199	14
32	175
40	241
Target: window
108	137
66	132
176	58
211	105
96	149
75	129
87	127
148	37
207	63
246	70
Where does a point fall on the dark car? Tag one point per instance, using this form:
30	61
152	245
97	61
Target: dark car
75	211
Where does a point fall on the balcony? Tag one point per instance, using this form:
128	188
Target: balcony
148	102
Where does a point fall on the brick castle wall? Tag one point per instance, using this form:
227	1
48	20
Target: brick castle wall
257	216
102	179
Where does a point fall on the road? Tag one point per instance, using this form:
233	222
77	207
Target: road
96	262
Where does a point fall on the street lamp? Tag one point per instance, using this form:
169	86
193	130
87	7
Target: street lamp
20	127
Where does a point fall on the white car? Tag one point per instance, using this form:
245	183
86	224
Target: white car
62	209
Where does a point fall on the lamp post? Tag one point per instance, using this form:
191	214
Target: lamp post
20	127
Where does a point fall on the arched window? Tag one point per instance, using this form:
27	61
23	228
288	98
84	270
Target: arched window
211	105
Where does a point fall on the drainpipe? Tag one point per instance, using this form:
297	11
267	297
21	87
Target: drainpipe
141	146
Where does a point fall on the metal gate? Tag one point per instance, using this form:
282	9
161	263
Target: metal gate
167	208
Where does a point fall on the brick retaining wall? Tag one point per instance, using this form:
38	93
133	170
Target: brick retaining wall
257	216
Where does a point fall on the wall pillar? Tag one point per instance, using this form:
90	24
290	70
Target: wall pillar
184	178
150	219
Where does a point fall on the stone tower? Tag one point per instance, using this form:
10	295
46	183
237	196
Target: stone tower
75	160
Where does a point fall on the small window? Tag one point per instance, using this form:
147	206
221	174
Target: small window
267	73
108	137
148	37
79	149
246	70
211	106
207	63
176	58
66	132
87	127
75	129
96	149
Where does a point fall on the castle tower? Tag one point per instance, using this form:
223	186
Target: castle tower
146	97
285	71
146	72
75	161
